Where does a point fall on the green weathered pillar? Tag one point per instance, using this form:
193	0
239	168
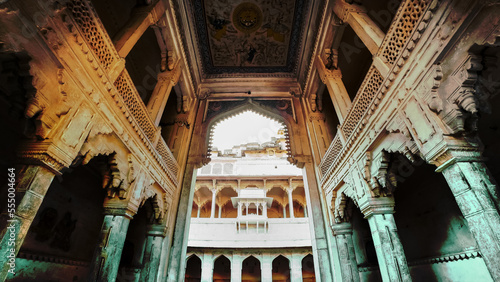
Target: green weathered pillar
152	252
345	247
32	185
475	194
390	254
106	261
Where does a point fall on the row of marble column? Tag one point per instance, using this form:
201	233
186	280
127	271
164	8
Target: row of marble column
266	263
290	207
477	197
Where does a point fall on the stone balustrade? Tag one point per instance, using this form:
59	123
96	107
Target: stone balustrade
112	68
396	46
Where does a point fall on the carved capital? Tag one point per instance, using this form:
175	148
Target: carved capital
157	230
45	153
120	208
342	228
382	205
452	150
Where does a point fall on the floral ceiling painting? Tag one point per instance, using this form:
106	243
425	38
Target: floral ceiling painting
249	37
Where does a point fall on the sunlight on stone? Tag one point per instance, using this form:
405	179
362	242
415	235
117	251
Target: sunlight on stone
247	127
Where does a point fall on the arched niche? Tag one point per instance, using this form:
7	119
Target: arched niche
251	269
202	199
280	200
193	269
308	274
227	109
223	199
281	269
67	224
222	269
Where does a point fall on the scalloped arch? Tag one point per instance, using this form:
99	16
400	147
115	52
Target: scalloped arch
249	106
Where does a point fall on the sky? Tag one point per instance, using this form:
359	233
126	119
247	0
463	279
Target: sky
244	128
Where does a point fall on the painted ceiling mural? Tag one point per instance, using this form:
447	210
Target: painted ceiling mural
259	36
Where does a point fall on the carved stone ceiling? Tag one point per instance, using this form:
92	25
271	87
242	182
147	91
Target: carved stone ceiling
249	37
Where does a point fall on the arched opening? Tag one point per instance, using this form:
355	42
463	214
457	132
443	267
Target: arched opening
280	197
308	269
250	270
281	269
67	226
222	269
298	209
203	200
193	269
431	225
224	202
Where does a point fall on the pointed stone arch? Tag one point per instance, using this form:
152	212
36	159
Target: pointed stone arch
193	268
251	268
281	268
342	205
222	268
227	110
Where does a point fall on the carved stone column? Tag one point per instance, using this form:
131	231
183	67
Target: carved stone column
33	181
390	254
207	268
475	194
152	252
236	268
290	199
159	97
266	268
296	268
338	93
106	261
345	248
177	260
212	208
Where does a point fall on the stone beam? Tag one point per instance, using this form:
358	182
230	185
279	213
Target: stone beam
367	30
140	20
338	93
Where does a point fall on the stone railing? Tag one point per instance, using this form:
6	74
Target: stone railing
408	16
128	101
167	156
395	47
330	155
94	33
